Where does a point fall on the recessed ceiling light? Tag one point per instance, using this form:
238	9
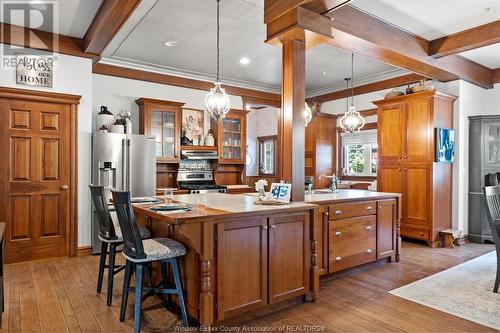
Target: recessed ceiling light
244	61
324	73
170	43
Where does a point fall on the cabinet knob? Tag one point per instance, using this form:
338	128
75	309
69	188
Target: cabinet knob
273	226
338	234
406	169
406	157
64	187
369	208
338	212
399	169
369	251
369	227
338	258
326	213
264	227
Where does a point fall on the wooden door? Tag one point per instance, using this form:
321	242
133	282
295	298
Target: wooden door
387	216
417	195
241	256
419	131
36	165
232	138
289	256
390	178
391	125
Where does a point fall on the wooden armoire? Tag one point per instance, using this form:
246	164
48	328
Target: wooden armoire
407	145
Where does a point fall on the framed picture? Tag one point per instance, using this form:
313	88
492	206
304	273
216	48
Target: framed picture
445	145
193	123
281	191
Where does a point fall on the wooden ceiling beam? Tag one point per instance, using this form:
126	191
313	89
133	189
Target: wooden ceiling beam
135	74
42	40
466	40
496	75
107	22
370	87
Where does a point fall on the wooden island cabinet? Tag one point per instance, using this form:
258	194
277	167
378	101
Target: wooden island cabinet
243	257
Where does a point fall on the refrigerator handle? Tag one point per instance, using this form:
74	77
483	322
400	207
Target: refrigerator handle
129	162
124	165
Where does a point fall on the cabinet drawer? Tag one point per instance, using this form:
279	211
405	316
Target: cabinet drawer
352	209
352	242
414	233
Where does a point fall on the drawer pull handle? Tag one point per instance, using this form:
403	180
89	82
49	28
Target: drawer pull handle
338	233
369	251
369	208
369	227
338	212
273	226
338	258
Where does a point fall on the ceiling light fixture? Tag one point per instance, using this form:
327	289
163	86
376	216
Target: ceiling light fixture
170	43
351	121
217	101
244	61
307	114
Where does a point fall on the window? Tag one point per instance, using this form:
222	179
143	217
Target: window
360	154
267	155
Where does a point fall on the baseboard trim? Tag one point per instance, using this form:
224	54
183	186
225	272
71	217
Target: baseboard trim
463	239
83	251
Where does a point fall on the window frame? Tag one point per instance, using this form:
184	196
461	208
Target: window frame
367	139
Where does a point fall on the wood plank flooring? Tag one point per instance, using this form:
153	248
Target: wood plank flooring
59	296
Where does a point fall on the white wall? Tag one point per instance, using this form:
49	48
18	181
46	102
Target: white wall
120	94
72	75
263	122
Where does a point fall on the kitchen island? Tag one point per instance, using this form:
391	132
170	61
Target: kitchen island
243	257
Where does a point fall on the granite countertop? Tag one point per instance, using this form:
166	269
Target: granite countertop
349	195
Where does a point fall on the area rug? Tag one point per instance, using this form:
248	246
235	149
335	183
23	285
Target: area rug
465	291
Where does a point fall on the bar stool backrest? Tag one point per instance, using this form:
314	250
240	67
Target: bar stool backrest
492	205
106	227
132	241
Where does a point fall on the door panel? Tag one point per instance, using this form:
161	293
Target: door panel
241	255
417	203
387	215
390	179
390	134
289	259
36	183
419	131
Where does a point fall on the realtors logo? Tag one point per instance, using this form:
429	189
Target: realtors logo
24	25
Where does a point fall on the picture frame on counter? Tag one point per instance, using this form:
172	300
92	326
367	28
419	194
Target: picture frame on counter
281	191
193	123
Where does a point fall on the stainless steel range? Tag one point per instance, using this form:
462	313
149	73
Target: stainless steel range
195	172
198	181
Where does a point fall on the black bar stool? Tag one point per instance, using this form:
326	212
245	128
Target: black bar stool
140	254
110	236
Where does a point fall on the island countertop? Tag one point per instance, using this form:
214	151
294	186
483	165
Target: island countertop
345	195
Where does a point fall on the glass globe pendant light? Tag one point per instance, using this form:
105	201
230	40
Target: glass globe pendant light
351	121
217	101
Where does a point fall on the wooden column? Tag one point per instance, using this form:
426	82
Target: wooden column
292	125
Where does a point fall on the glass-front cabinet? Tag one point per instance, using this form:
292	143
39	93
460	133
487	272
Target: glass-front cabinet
163	120
232	138
492	138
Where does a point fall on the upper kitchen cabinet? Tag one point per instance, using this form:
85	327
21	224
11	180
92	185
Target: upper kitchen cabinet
163	120
231	137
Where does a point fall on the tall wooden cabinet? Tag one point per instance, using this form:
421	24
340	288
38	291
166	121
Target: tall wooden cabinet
320	148
406	141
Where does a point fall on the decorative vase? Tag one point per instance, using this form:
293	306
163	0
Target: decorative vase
117	129
209	140
262	194
104	118
128	126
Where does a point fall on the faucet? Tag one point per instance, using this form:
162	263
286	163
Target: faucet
333	183
310	189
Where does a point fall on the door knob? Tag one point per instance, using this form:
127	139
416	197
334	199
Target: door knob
64	187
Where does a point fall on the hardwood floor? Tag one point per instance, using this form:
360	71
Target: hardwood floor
59	296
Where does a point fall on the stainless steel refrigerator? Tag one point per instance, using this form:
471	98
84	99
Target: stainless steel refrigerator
123	162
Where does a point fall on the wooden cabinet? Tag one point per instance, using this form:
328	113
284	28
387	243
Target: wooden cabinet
163	120
231	137
406	126
387	217
320	148
272	255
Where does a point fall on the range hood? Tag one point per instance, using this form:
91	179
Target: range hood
199	155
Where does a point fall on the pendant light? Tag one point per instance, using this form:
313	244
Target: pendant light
307	114
217	101
351	121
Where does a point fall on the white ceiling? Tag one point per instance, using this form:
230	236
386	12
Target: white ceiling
432	19
192	24
72	17
488	56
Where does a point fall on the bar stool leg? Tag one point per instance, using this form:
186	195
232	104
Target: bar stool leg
126	286
111	275
178	286
138	298
164	277
102	263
